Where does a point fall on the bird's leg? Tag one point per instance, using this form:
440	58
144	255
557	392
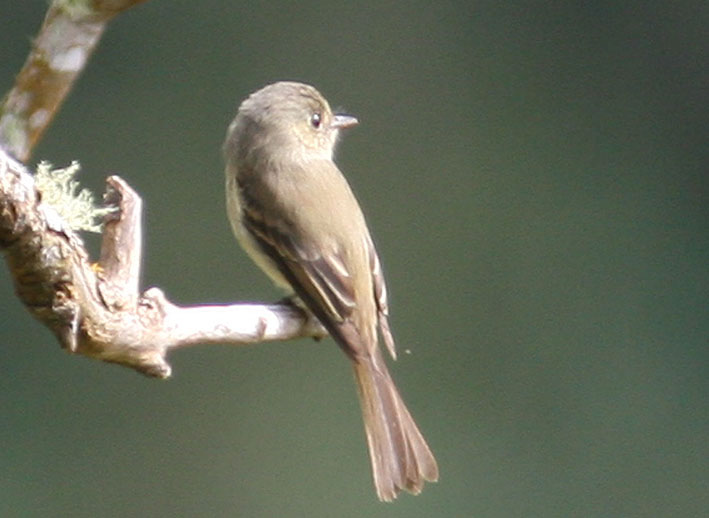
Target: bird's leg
294	302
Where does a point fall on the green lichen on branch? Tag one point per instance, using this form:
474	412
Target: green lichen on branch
59	190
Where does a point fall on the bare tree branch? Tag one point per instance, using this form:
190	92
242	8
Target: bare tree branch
97	310
67	38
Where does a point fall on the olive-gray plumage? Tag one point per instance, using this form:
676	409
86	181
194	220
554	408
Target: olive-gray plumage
297	218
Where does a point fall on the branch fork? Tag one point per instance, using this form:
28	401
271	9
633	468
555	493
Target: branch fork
97	310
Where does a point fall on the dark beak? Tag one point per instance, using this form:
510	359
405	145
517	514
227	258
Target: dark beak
342	121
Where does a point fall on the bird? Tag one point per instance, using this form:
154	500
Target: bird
295	215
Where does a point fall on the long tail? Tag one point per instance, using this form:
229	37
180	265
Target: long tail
401	459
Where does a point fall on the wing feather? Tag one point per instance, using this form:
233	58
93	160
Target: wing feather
380	293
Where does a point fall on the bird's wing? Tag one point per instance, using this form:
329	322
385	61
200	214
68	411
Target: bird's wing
321	281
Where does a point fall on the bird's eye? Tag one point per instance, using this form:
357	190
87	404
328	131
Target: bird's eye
315	120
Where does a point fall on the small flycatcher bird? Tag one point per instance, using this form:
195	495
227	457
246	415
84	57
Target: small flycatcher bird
297	218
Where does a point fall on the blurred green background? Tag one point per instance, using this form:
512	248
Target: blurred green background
535	176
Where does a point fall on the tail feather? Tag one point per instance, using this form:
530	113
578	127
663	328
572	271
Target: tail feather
401	459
